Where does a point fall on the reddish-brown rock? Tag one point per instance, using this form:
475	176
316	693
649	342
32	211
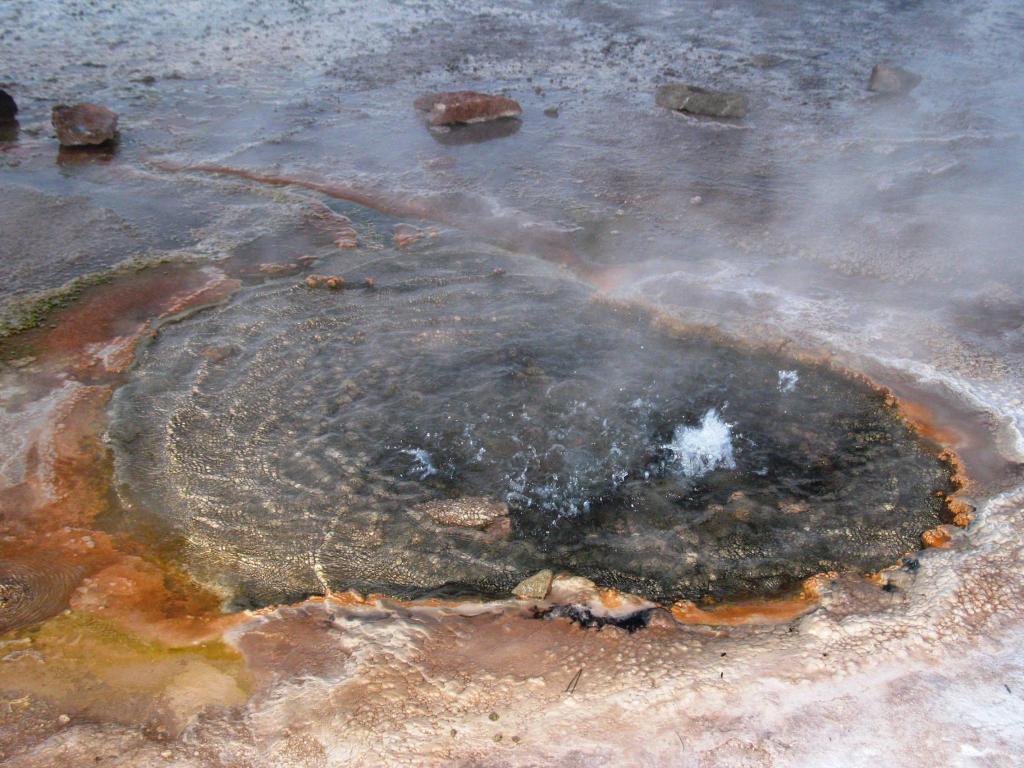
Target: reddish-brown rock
84	124
465	107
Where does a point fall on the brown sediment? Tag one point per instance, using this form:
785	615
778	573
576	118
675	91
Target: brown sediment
96	336
337	225
547	242
278	269
406	234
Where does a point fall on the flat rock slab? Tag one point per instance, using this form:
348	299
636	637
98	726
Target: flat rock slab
8	107
698	101
886	78
84	124
457	107
469	512
534	587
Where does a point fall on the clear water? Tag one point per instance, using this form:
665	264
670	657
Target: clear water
298	457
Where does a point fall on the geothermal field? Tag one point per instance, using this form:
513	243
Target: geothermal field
560	383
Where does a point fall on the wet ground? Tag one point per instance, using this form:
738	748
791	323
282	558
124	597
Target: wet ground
185	434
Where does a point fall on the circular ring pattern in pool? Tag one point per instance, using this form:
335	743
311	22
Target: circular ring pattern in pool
458	429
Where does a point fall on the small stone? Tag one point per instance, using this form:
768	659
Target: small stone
766	60
84	124
493	716
534	587
346	238
696	200
466	512
8	107
334	282
698	101
166	754
314	281
64	719
937	538
407	234
465	107
888	79
551	112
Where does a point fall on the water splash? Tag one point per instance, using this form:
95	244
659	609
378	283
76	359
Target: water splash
698	450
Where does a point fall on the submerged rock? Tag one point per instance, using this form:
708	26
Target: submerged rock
886	78
698	101
470	512
84	124
766	60
465	107
534	587
8	107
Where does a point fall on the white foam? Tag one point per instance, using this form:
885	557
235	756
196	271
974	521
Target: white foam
422	462
698	450
788	380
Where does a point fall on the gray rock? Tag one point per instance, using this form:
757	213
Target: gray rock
551	112
698	101
84	124
534	587
886	78
8	108
766	60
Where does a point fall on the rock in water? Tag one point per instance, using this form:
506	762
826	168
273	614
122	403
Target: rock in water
698	101
886	78
84	124
8	109
465	107
469	512
534	587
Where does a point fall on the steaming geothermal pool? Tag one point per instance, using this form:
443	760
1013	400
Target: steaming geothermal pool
467	422
750	389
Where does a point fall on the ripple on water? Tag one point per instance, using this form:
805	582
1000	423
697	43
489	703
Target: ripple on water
30	593
316	453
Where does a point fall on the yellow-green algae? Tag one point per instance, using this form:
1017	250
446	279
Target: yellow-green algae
89	666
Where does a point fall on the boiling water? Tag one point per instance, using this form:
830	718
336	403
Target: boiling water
301	440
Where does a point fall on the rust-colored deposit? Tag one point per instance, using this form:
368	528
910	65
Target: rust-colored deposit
49	517
464	213
778	610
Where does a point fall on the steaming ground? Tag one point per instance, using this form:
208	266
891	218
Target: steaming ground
885	233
